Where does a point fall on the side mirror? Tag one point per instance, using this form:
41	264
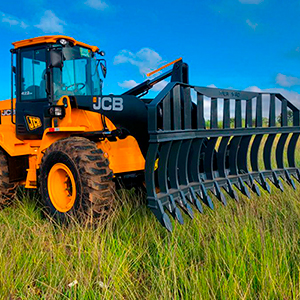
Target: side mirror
56	58
103	68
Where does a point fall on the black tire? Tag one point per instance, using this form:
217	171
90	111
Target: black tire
92	175
7	189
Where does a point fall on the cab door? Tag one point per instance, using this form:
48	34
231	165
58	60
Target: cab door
32	98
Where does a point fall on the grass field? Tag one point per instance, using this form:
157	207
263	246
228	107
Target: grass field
247	250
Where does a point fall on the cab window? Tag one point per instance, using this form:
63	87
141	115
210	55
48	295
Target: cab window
33	83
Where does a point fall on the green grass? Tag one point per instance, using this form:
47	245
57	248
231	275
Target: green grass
247	250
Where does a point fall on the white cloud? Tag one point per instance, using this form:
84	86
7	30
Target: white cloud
251	24
50	23
287	81
211	86
145	59
159	86
291	96
251	1
12	20
254	89
97	4
128	84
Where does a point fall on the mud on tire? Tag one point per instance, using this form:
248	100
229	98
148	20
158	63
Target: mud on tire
94	187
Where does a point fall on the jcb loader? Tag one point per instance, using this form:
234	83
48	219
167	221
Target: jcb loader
59	133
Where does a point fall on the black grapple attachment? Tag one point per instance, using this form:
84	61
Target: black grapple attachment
208	139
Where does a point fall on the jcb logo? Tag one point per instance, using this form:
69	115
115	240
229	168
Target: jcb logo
108	103
7	112
33	122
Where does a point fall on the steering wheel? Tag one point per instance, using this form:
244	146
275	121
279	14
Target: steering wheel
76	85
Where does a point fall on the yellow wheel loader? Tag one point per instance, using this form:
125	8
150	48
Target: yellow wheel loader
60	134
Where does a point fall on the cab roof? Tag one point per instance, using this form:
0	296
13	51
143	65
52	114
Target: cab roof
48	39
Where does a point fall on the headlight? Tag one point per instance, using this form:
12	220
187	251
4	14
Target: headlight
63	42
57	111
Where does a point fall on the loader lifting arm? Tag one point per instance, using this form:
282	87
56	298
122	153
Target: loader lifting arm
179	72
129	109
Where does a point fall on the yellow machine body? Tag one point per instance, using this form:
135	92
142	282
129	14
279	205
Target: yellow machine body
124	155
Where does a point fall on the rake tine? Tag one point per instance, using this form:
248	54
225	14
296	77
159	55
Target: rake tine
242	188
256	189
195	200
169	207
297	176
163	182
289	180
174	210
185	206
178	216
205	197
157	208
173	177
220	196
231	191
254	186
194	175
279	152
263	183
276	181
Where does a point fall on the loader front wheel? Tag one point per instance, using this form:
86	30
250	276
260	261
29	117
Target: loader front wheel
75	181
7	189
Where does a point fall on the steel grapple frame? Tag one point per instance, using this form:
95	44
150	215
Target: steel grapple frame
189	155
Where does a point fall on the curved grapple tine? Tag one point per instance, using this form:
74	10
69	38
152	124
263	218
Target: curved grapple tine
218	193
162	178
203	195
157	209
291	154
243	188
231	191
185	206
277	182
289	180
253	186
256	189
177	215
174	210
195	200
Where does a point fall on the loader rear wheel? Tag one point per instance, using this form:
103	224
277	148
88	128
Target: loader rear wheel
76	181
7	189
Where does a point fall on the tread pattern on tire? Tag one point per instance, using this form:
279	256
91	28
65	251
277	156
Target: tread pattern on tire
7	189
97	197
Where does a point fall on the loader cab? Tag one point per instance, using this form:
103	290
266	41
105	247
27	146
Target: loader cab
45	69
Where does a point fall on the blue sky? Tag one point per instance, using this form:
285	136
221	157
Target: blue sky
241	44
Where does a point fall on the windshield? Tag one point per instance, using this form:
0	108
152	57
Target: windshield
79	75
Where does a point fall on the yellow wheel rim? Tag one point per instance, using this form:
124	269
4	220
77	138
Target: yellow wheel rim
61	187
